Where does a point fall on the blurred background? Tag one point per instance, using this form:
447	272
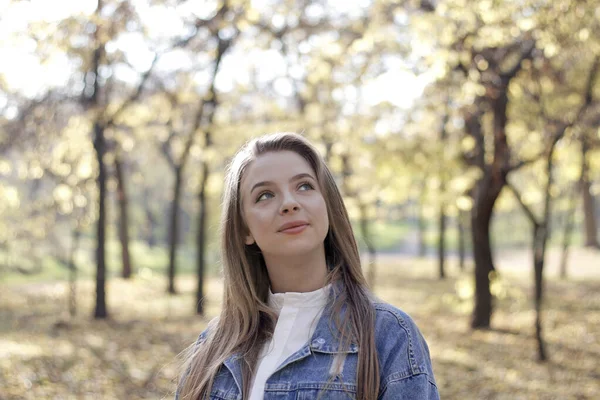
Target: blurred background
464	136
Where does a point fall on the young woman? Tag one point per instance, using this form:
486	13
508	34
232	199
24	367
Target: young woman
298	321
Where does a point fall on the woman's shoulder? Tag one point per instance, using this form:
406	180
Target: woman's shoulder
390	316
207	331
402	349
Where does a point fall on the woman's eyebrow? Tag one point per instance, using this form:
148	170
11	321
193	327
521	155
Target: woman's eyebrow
293	178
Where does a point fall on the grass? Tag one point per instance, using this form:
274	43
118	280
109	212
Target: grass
44	354
154	259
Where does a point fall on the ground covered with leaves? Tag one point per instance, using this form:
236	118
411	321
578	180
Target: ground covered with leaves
44	354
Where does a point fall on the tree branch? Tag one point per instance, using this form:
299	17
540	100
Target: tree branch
525	207
134	96
529	45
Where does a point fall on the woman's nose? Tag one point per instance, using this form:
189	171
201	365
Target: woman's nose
289	204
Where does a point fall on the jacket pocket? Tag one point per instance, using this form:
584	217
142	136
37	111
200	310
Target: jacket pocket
326	391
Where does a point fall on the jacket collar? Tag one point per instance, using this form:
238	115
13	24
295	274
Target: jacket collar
325	339
327	336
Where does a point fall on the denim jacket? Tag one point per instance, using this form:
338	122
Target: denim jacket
404	364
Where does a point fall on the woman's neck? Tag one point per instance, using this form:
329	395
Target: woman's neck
298	273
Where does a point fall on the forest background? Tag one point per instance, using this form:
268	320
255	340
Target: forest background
464	136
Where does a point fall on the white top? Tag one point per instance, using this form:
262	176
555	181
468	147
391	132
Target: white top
298	317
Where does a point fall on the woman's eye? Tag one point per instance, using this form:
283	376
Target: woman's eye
307	185
263	196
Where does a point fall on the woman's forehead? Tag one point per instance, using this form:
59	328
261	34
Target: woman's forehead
275	167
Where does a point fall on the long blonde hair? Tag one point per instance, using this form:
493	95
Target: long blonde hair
245	320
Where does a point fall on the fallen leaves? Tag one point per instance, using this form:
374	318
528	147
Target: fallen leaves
134	355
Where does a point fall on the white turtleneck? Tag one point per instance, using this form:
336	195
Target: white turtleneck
298	317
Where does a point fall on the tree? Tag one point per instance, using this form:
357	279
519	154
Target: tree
589	209
104	118
224	41
123	203
541	226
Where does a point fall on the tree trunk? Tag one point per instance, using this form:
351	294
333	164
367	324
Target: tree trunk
461	219
174	230
100	311
567	233
442	242
364	230
201	239
540	237
486	195
151	224
422	225
589	211
73	272
442	215
123	218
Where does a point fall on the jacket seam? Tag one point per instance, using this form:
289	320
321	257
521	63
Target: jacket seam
402	378
411	355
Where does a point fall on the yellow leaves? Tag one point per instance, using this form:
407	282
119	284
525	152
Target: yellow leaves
526	24
314	112
464	203
498	287
482	63
320	71
62	193
547	84
80	201
35	170
61	169
68	198
464	288
467	143
252	15
9	197
5	167
332	49
9	348
550	50
84	168
515	89
584	34
365	44
461	183
531	197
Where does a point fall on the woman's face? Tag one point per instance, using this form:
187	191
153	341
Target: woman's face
282	205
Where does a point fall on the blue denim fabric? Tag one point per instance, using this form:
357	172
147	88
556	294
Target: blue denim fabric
404	364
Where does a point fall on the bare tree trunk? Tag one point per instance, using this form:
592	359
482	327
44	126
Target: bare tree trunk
539	252
174	230
494	175
201	240
442	242
123	218
151	223
589	211
210	108
422	225
567	233
73	272
482	254
442	215
461	220
364	230
101	311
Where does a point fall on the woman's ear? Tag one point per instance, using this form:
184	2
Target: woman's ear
250	239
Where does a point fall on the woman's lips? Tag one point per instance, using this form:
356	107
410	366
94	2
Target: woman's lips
295	229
